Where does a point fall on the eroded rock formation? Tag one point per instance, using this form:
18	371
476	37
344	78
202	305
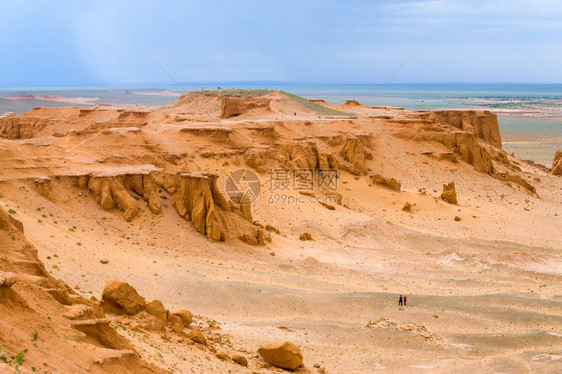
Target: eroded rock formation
355	152
197	199
19	127
231	106
449	194
557	163
390	183
511	178
110	193
463	144
483	124
83	339
195	195
298	155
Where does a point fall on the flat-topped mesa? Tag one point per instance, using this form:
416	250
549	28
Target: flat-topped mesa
18	127
61	121
231	107
483	124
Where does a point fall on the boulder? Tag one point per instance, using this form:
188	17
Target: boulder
176	324
285	355
197	336
557	163
156	308
240	360
449	194
120	297
185	316
7	279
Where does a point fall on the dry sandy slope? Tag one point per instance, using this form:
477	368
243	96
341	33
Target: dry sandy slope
483	292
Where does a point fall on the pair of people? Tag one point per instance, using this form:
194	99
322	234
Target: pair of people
402	300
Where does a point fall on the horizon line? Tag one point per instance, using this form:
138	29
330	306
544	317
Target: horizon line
256	82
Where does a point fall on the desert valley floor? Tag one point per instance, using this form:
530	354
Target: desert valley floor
91	194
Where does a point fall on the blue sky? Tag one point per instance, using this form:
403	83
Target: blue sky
87	43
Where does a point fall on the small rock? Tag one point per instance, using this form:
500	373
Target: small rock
177	324
221	355
305	236
270	228
104	260
197	336
322	370
240	360
457	218
407	207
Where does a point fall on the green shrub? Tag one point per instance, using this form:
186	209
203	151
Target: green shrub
18	358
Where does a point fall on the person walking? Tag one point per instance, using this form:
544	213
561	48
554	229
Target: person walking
400	300
405	299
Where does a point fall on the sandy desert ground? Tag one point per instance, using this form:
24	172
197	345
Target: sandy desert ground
144	191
